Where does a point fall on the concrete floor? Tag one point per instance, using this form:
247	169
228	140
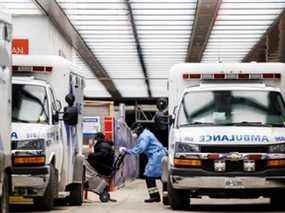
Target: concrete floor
130	200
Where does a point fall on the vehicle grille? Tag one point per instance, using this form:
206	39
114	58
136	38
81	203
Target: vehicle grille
233	166
235	148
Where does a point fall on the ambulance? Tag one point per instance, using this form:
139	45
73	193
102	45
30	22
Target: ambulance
5	108
227	134
47	105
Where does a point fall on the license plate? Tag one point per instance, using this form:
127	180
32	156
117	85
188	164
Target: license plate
233	183
20	200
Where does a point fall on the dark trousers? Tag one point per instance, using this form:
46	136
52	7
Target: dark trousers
152	188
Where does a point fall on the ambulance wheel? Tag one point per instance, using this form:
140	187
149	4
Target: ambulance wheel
76	195
46	202
178	199
5	195
77	192
165	199
105	196
277	202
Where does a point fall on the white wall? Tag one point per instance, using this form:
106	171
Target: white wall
43	37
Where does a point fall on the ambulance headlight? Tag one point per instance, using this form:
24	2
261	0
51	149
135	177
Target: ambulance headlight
278	148
32	144
186	148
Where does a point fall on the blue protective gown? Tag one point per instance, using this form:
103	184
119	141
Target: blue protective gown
148	144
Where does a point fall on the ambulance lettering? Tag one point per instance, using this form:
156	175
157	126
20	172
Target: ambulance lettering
233	138
280	138
188	139
14	135
30	135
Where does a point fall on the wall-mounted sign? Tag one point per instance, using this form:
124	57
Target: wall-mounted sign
20	46
91	125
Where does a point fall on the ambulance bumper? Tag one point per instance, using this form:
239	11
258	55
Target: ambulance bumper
30	181
212	182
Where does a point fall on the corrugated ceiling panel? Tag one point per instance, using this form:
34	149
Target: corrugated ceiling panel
131	87
164	29
159	87
239	26
84	69
93	87
106	29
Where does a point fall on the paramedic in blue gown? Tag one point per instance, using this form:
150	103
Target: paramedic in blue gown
148	144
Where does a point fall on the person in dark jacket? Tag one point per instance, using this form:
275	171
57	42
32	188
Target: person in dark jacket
161	121
148	144
102	159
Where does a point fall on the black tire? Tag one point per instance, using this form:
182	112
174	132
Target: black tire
105	196
46	202
165	199
5	194
77	193
178	199
277	202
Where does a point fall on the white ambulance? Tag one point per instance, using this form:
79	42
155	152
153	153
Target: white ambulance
227	138
5	108
46	132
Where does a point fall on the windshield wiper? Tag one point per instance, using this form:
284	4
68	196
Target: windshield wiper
19	120
274	125
198	124
245	123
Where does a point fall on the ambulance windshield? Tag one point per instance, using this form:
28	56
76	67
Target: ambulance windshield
227	107
29	104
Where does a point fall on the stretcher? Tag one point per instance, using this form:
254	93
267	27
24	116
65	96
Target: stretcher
98	183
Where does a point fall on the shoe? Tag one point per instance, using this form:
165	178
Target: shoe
152	200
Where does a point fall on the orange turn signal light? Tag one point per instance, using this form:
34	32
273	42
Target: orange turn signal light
187	163
22	160
276	163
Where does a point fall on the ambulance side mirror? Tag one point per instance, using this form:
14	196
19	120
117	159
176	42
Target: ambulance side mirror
70	99
172	116
55	117
70	116
57	107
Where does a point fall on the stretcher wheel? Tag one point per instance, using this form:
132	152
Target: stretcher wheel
105	196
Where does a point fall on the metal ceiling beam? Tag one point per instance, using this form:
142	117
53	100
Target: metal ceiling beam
138	46
206	13
127	101
281	50
260	47
58	17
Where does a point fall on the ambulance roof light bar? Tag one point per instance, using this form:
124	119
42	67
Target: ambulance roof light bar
231	76
32	69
